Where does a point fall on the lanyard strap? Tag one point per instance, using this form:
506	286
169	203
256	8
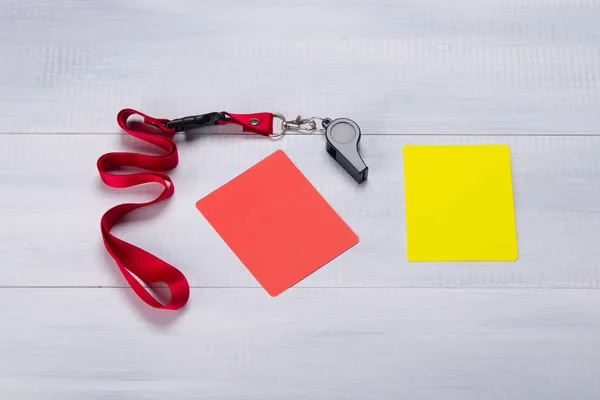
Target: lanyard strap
132	260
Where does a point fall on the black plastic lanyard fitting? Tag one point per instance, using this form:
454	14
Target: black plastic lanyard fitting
195	121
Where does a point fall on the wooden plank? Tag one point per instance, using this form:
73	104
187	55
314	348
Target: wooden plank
306	344
52	200
404	66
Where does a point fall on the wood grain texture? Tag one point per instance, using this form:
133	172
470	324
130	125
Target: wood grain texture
401	66
52	200
369	325
307	344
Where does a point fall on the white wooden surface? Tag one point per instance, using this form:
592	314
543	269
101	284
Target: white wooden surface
307	344
556	185
400	66
369	324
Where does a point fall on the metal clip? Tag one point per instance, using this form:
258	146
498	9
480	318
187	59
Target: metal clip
301	125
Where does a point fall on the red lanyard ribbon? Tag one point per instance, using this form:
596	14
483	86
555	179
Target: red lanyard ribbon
132	260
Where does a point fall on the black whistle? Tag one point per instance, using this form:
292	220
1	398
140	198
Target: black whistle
343	137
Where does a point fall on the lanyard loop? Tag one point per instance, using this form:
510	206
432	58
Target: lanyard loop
134	262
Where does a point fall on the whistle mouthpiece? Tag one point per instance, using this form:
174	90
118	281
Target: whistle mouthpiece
343	137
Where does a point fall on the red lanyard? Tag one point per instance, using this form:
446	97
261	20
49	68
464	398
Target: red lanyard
132	260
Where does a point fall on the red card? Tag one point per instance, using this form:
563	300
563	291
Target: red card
276	223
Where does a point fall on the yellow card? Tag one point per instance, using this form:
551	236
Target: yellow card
459	203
